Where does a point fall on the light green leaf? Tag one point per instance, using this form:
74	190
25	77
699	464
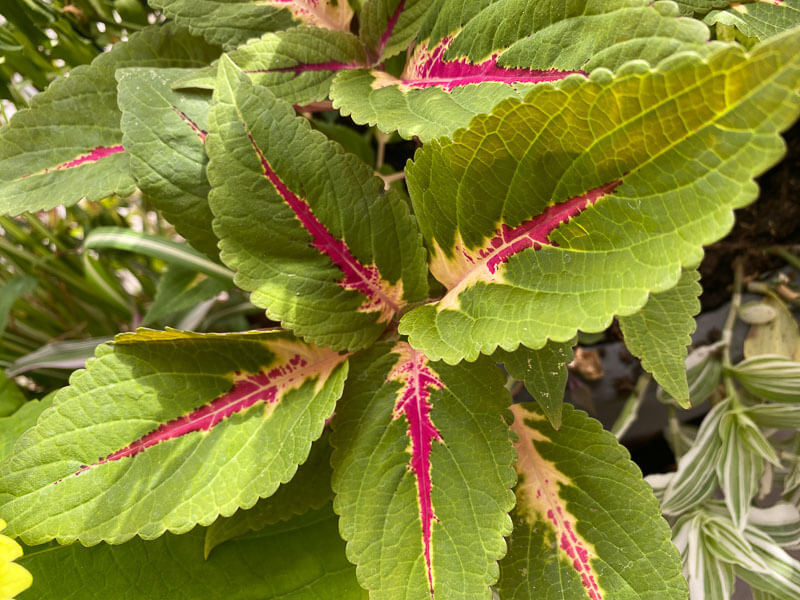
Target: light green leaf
502	51
422	474
388	27
68	145
10	291
760	20
300	559
659	333
781	522
14	578
544	373
703	374
580	502
307	226
308	489
13	426
781	576
163	134
696	479
770	377
556	213
298	64
170	442
11	397
730	544
630	410
230	23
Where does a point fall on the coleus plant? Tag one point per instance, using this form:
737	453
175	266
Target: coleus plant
575	157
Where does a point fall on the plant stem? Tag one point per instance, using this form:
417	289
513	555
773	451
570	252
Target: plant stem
727	330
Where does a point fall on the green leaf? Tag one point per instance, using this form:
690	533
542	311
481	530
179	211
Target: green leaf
777	416
307	226
10	291
170	442
780	335
388	27
180	289
580	502
422	474
298	64
781	576
554	214
781	522
230	23
301	559
703	373
11	397
308	489
544	373
163	134
696	478
759	20
156	246
659	333
770	377
505	49
13	426
68	145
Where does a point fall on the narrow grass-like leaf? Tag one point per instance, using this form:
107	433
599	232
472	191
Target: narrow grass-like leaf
300	559
708	577
231	23
759	20
305	224
580	502
781	522
422	474
188	427
544	373
660	332
553	214
770	377
10	291
68	145
696	478
502	51
308	489
69	354
163	134
781	576
739	470
176	253
180	289
777	416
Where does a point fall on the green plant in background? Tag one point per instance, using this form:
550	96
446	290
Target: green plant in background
574	160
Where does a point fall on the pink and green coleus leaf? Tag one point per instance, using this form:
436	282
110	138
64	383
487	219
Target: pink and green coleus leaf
503	51
660	332
557	213
307	226
422	474
188	427
298	64
586	526
231	23
68	145
164	133
299	559
388	27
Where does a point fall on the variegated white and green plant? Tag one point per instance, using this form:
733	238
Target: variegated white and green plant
574	159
